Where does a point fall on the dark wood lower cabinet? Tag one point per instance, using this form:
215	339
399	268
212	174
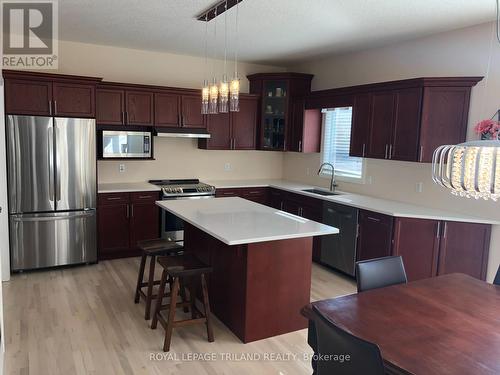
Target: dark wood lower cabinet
375	235
431	247
417	241
257	194
123	220
464	248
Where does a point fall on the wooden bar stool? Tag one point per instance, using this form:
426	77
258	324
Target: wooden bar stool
187	268
152	248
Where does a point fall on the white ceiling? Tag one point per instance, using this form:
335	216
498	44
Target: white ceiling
279	32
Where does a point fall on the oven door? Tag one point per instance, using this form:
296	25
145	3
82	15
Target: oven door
172	227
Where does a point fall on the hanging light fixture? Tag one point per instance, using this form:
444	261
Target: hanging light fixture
472	169
214	89
234	87
205	91
224	86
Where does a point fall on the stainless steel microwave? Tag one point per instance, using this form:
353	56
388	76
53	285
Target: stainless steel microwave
126	144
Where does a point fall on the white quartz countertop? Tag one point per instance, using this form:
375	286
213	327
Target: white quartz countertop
126	187
237	221
384	206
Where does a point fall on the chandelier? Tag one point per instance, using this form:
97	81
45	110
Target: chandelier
470	169
222	96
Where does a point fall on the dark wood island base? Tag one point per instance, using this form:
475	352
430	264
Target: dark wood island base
257	290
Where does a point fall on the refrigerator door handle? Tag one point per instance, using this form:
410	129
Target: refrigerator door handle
50	157
70	215
58	166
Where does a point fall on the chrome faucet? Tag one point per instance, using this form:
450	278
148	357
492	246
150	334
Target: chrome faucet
333	185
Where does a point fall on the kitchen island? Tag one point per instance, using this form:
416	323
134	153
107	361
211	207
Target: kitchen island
261	259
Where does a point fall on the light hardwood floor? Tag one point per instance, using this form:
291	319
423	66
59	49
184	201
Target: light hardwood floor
83	320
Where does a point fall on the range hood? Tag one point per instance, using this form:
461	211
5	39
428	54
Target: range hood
181	133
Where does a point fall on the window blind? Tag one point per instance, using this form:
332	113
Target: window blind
336	142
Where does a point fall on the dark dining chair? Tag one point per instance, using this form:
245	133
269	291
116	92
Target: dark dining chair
380	272
333	342
497	277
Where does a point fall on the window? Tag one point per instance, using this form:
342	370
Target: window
336	143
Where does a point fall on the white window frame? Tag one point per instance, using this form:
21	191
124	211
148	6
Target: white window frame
339	176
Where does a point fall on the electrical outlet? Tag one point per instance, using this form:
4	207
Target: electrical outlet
121	168
227	167
419	187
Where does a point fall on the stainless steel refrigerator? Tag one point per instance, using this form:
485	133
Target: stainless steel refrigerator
52	191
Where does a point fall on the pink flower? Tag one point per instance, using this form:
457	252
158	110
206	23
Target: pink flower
487	126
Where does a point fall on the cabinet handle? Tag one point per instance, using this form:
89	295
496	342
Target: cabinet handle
364	149
438	231
330	210
145	196
281	205
301	211
386	148
254	192
357	230
50	107
373	219
131	210
55	107
420	157
445	229
390	151
113	199
128	211
300	146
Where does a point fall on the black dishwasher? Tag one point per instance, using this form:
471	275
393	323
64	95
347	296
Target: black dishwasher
339	250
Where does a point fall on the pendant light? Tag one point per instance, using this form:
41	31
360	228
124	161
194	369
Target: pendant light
214	89
224	86
471	169
234	87
205	91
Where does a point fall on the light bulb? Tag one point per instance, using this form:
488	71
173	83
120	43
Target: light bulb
234	98
205	97
223	95
213	97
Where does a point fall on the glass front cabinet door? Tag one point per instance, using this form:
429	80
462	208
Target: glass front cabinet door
276	91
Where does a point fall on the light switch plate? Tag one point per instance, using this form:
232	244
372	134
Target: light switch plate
121	168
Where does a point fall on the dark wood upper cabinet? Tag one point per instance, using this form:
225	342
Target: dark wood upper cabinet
464	248
219	127
110	107
381	123
191	116
28	97
244	124
406	127
139	108
407	119
73	100
375	235
360	129
234	130
417	241
278	91
42	94
305	130
167	110
444	118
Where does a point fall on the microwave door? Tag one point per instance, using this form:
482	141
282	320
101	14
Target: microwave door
126	144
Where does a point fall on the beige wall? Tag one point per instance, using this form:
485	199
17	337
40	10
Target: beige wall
174	157
462	52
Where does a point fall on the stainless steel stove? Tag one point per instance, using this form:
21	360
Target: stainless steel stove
171	226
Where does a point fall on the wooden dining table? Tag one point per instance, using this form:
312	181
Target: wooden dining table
443	325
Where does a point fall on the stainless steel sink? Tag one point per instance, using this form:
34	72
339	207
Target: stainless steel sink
320	192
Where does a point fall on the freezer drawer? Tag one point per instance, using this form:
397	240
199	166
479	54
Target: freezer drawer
52	239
